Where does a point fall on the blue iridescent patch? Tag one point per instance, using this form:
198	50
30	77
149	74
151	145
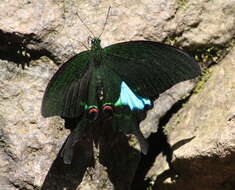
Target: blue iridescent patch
127	97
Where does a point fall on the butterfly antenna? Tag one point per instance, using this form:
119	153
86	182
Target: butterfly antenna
85	25
84	45
107	15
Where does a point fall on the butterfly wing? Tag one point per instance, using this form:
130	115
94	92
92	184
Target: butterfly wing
146	69
150	68
67	90
127	121
130	73
72	140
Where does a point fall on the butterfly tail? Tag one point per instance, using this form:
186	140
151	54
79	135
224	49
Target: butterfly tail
129	124
67	152
142	141
71	141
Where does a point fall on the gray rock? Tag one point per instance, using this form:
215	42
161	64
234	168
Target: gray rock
207	160
27	142
30	144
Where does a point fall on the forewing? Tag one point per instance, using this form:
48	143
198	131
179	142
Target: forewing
150	68
66	91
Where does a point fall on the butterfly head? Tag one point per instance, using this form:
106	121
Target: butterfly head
95	43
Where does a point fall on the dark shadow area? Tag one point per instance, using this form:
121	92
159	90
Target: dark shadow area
181	143
69	176
119	157
210	55
115	154
13	47
158	143
170	173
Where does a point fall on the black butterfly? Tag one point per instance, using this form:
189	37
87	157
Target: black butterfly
114	83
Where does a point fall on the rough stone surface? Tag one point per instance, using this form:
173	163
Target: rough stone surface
207	160
163	104
58	30
30	144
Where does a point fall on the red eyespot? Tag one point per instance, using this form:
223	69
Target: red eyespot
108	111
93	114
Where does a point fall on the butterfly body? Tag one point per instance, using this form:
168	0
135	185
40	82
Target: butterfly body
115	84
96	52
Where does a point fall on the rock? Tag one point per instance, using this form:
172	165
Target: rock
207	160
59	31
208	23
38	31
28	145
164	104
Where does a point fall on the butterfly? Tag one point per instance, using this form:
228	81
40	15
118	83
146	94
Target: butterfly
116	84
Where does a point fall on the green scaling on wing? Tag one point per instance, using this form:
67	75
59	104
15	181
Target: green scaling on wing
126	75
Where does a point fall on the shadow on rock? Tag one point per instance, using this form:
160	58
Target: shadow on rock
68	176
115	154
120	159
158	144
171	173
14	48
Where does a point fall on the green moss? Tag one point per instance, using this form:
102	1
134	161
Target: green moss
167	129
171	40
207	57
151	182
46	59
66	6
204	78
212	54
3	144
182	4
133	141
